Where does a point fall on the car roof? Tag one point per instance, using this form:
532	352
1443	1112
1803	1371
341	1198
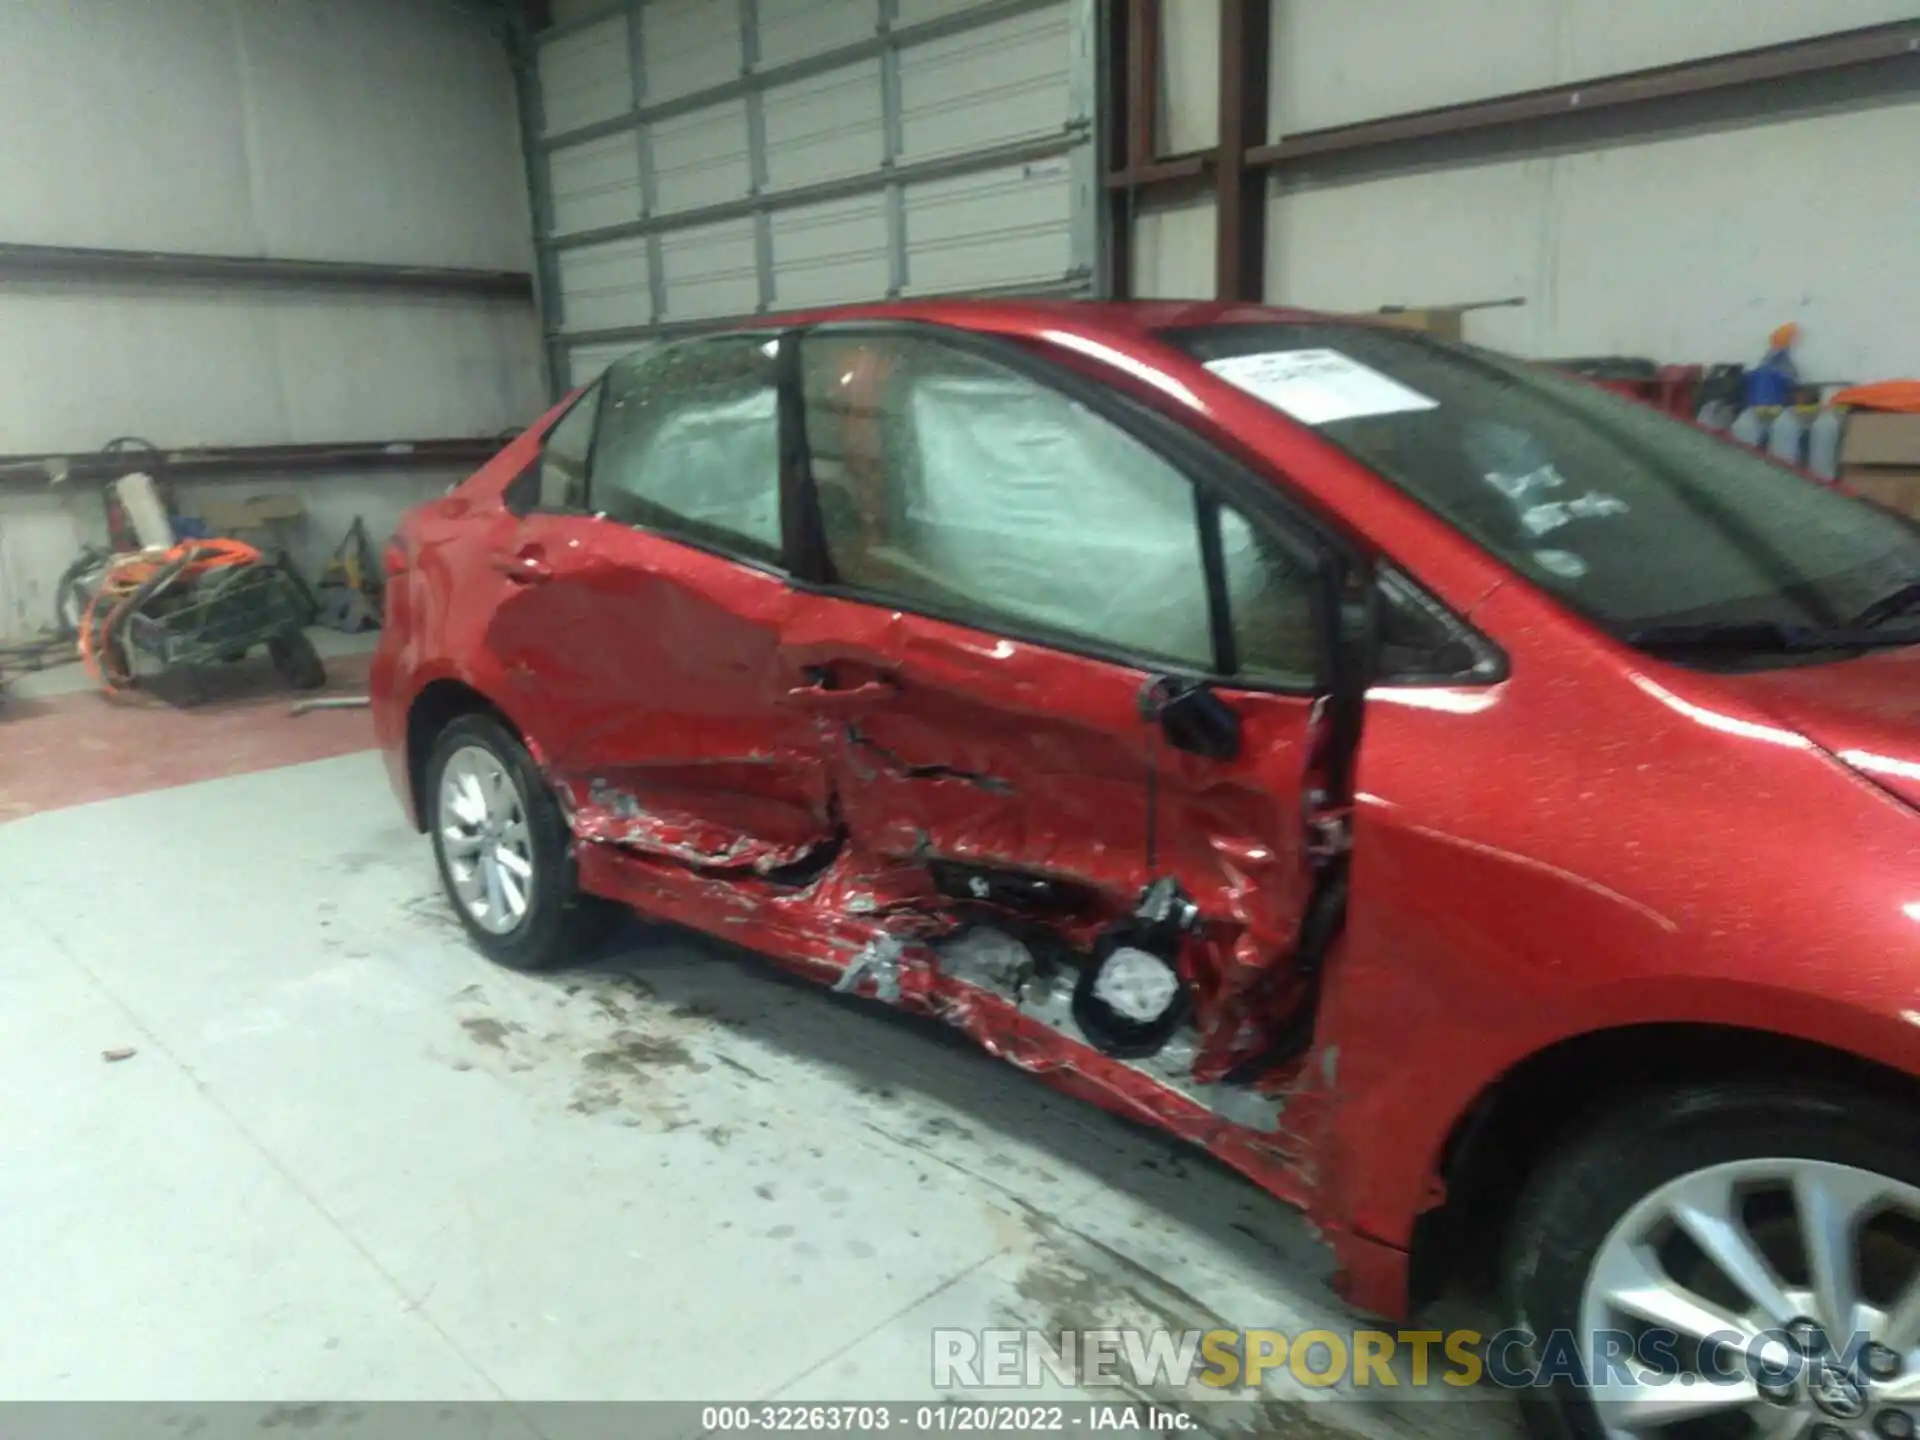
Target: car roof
1034	317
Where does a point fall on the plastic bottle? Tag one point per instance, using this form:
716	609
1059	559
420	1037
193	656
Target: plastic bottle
1714	415
1786	441
1750	427
1823	443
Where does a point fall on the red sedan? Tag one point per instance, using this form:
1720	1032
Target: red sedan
1473	805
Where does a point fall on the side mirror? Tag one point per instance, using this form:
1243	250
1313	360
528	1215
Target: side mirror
1193	718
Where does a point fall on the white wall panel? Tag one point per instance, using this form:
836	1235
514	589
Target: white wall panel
824	127
248	129
1334	64
1445	237
1001	82
586	76
1173	251
190	366
1189	117
691	45
380	132
830	253
1724	260
597	183
1679	250
794	29
700	158
604	286
999	227
912	12
710	270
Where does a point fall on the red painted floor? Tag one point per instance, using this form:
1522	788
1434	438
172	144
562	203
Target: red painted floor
71	749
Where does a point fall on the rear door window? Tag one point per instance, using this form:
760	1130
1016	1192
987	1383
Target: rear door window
564	455
689	445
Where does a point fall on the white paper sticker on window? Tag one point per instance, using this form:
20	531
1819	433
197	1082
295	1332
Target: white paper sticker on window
1318	387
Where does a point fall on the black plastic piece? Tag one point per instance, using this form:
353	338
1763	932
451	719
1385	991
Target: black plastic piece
1193	718
1009	889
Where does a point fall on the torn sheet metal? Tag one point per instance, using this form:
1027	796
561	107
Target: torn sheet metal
877	967
614	816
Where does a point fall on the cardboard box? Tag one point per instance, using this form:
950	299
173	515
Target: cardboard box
1879	437
1896	487
225	515
1441	324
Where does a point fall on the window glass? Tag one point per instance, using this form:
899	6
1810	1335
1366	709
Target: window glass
1631	517
689	444
563	455
950	480
1270	600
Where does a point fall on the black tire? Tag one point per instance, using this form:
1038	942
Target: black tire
560	921
1573	1200
297	661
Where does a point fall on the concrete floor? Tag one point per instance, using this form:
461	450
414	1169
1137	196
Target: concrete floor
349	1160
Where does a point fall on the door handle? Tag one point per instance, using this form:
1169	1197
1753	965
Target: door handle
526	566
823	697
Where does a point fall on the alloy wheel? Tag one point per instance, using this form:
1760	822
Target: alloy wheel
482	828
1791	1293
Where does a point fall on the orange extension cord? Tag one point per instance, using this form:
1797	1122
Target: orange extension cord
130	582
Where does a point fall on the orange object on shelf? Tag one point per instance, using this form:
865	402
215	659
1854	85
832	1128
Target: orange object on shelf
1902	396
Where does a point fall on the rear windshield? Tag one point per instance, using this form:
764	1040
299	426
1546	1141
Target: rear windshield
1633	518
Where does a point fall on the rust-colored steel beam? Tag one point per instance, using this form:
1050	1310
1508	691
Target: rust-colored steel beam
1163	174
255	460
1143	81
1130	76
1877	45
1240	190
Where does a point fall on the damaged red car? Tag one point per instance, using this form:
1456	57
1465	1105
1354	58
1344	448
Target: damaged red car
1477	807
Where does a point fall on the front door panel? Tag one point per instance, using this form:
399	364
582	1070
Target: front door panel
976	748
1233	834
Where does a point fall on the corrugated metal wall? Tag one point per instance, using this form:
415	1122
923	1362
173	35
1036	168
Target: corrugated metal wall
378	131
1686	245
707	159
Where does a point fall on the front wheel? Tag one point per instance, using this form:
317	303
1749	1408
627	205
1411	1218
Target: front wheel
505	854
1728	1262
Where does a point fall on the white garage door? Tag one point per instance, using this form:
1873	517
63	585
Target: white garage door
702	160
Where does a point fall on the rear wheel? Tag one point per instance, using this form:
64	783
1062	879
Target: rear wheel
1727	1263
505	853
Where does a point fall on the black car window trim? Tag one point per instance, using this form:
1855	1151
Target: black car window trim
530	472
1213	476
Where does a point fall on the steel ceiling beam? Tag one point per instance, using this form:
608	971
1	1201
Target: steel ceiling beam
248	461
32	261
1889	52
1638	90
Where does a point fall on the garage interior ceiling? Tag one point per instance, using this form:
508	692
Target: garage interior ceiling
693	161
